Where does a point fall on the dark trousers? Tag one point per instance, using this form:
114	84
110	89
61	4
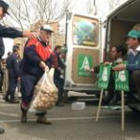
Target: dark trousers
28	83
59	84
11	88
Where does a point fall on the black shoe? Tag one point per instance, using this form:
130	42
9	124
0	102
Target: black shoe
13	101
43	120
23	115
60	104
6	99
116	98
131	100
107	98
1	130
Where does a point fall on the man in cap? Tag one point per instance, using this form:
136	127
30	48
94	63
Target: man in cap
9	32
37	59
133	66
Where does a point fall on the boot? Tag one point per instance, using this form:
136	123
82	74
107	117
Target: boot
108	97
23	115
6	99
116	98
43	120
60	103
1	130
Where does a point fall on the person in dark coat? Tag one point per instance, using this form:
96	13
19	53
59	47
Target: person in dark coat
14	75
37	58
9	31
59	70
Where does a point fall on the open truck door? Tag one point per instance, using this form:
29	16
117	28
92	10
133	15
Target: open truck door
83	42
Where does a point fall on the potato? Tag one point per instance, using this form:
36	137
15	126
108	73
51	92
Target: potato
55	97
43	98
52	99
46	95
45	101
52	89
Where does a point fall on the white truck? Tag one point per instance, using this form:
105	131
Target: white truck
83	51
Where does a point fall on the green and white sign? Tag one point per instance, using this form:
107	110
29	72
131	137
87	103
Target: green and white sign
104	76
121	80
84	62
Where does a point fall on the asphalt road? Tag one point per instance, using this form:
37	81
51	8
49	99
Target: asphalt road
68	124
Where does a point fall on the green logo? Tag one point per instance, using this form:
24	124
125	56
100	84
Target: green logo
84	62
121	80
104	75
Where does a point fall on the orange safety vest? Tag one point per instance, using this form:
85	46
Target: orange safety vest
43	52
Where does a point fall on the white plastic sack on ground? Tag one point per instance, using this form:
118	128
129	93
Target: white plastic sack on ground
45	93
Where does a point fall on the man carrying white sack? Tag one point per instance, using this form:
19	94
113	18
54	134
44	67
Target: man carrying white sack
37	59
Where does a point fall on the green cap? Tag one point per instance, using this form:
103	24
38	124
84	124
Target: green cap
134	34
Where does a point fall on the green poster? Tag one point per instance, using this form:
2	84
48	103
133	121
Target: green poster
84	62
104	76
121	80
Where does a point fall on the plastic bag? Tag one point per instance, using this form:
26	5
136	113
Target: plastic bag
45	93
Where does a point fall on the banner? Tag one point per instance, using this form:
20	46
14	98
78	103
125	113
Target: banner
104	76
122	80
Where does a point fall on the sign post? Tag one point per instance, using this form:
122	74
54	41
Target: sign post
103	82
122	84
